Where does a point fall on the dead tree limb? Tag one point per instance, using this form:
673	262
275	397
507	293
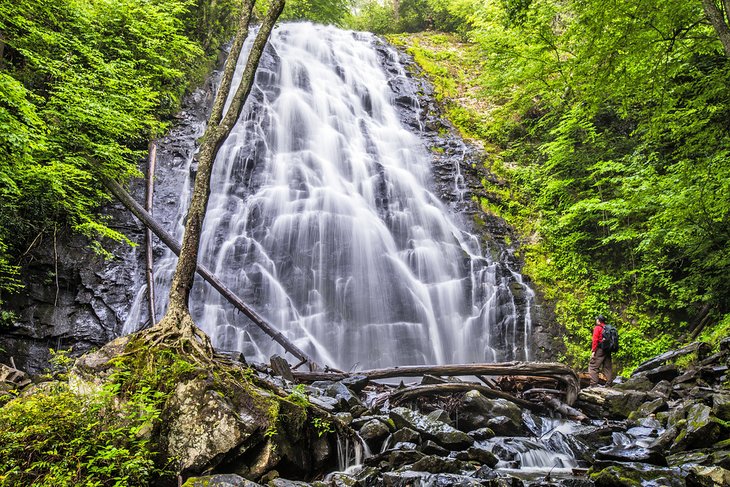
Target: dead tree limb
166	238
562	373
556	405
413	392
149	256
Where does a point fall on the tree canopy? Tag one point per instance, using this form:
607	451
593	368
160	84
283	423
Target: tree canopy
83	86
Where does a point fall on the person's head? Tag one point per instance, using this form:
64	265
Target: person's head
601	319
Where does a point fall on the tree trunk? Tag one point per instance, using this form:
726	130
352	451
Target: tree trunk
219	127
149	256
720	20
562	373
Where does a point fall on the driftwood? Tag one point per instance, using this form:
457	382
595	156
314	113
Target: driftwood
149	256
413	392
562	373
129	202
562	408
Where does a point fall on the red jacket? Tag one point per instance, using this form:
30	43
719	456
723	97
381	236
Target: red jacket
597	337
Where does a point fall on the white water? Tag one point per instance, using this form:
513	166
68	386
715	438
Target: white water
322	218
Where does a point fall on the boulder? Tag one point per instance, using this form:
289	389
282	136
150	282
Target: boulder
476	410
701	429
411	479
482	456
374	430
431	448
701	476
339	391
406	434
224	480
437	464
440	415
440	432
721	406
636	475
632	453
482	434
201	426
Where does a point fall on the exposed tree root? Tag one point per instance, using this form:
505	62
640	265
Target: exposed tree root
177	331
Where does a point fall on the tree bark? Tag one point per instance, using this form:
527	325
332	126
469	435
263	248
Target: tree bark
149	256
219	127
719	17
562	373
206	274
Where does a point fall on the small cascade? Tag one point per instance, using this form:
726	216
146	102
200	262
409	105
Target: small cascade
350	454
322	217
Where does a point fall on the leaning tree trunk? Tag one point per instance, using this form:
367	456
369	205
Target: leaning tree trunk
177	325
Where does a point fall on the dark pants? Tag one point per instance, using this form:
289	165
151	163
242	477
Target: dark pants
601	361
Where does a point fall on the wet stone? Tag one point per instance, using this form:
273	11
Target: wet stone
629	453
374	430
430	448
406	434
227	480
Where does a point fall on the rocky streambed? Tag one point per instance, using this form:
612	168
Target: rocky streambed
667	425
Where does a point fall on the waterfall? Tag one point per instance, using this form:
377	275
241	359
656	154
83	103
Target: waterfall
323	217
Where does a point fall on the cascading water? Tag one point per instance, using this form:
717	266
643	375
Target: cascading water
322	218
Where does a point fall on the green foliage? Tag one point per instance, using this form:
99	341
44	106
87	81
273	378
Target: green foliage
320	11
60	438
83	86
322	426
610	122
298	396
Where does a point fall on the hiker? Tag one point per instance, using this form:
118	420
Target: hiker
600	357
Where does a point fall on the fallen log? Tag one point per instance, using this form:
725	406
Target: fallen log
412	392
562	373
166	238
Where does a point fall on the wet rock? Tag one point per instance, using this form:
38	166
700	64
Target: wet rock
279	482
701	429
636	475
651	407
431	448
356	383
632	453
440	432
374	430
225	480
721	406
701	476
202	425
440	415
337	390
405	445
398	458
322	452
662	389
436	464
339	479
344	418
406	434
481	455
482	434
476	410
504	426
636	383
413	479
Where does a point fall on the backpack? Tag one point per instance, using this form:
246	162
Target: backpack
610	339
